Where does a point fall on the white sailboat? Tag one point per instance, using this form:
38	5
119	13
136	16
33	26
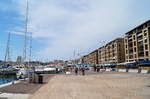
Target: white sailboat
23	72
7	68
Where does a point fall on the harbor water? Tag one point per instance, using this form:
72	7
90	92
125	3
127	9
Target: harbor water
7	78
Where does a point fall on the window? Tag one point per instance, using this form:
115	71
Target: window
146	47
147	59
113	46
145	25
140	37
146	53
148	24
145	40
135	49
130	56
125	40
145	31
145	34
134	37
134	43
134	55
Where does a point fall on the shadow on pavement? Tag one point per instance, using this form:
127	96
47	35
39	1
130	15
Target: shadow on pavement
148	86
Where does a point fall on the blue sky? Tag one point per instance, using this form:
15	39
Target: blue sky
61	27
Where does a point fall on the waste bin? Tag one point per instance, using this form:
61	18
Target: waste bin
57	71
148	71
40	80
139	70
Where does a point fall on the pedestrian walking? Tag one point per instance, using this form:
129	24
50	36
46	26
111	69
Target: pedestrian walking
76	70
57	71
94	68
83	71
98	68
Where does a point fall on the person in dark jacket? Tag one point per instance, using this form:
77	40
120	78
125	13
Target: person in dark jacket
98	68
94	68
76	70
83	71
57	70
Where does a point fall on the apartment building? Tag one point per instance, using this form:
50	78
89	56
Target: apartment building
77	61
93	58
101	55
113	52
137	43
85	59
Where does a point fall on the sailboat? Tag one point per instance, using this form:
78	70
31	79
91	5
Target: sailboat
24	72
7	68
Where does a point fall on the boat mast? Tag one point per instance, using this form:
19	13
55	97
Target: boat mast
30	53
25	34
7	54
30	36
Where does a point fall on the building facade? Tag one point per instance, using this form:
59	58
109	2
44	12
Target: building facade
137	43
113	52
134	46
93	58
102	55
85	59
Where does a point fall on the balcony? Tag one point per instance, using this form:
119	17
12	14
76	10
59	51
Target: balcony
141	53
140	37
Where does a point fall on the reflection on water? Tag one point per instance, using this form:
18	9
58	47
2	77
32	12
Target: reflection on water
7	78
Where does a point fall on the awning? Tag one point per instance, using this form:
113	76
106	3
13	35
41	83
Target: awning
131	64
108	65
123	64
82	64
144	62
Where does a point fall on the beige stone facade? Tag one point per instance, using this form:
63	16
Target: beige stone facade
134	46
85	59
113	52
137	43
101	55
93	58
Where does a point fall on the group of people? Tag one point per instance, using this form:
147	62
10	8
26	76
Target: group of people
97	68
82	69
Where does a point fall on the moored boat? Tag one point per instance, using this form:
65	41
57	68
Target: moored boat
8	70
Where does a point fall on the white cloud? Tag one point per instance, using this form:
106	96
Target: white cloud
79	25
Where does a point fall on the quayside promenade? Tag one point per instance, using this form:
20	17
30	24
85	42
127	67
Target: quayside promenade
23	89
107	85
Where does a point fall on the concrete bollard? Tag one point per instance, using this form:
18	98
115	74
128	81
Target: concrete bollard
139	70
121	70
144	71
133	70
148	71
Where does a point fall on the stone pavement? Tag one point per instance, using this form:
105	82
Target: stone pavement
112	85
